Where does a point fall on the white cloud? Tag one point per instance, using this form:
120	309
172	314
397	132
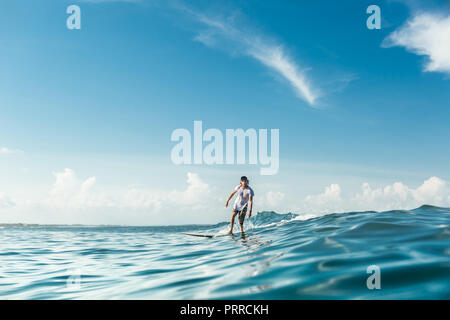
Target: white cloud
272	201
227	33
5	201
71	192
274	57
196	191
425	34
197	195
274	198
4	150
433	191
328	201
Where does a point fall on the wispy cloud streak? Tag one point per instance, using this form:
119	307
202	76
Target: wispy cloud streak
226	32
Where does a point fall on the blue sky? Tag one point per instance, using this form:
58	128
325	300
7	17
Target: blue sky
353	105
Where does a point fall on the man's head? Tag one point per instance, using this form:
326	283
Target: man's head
244	181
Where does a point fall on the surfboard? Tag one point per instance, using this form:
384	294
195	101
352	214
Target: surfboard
199	234
206	235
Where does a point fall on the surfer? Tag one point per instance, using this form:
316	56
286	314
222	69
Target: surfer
243	202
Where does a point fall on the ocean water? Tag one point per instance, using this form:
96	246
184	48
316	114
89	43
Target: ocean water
280	256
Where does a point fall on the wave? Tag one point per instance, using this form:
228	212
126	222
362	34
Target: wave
280	256
261	219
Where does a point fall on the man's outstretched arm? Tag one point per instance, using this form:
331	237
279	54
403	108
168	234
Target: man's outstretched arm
229	198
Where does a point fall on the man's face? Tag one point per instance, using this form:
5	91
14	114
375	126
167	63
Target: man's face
244	183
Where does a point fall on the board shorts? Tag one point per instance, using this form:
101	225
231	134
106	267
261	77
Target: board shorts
241	214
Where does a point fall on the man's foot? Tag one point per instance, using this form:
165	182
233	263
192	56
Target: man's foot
230	232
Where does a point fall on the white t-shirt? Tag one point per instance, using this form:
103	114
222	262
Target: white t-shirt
243	195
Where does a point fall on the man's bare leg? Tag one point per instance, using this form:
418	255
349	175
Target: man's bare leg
232	222
242	218
241	222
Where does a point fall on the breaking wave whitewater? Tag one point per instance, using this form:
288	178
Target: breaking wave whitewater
280	256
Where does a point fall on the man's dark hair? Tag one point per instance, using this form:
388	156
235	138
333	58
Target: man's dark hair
244	178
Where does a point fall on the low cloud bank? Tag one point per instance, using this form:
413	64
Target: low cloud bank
75	200
433	191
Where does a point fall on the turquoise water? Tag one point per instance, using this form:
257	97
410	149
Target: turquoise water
280	257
